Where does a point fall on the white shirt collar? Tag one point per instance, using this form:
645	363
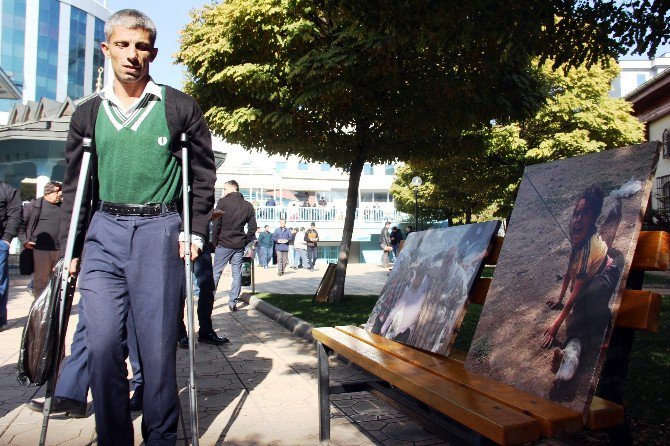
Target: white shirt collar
108	94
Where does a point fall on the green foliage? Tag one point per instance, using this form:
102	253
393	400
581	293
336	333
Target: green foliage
579	117
346	82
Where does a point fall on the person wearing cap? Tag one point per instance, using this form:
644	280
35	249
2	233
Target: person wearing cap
40	233
312	239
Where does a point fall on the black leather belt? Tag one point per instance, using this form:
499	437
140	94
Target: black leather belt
138	210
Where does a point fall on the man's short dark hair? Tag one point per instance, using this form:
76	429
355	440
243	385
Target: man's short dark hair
234	184
594	198
313	224
387	223
133	19
52	186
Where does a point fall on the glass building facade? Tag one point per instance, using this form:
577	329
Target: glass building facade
12	44
76	59
47	49
44	47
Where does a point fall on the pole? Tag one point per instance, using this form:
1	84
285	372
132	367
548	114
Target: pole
188	268
416	209
65	283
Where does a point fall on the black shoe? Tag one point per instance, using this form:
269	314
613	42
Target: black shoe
71	408
137	401
233	308
182	342
210	337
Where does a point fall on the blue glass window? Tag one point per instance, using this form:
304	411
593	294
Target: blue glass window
325	167
13	44
47	49
389	169
75	61
367	169
303	166
279	166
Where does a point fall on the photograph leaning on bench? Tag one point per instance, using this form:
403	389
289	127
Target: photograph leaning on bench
556	396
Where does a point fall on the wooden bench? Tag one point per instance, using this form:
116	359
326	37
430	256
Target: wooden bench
491	409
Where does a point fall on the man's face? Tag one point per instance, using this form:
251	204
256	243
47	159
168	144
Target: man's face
130	51
54	197
581	223
282	224
267	229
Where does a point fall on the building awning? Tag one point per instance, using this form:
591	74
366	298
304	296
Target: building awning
7	88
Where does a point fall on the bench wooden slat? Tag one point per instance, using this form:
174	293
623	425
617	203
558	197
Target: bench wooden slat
652	252
553	418
639	308
602	414
488	417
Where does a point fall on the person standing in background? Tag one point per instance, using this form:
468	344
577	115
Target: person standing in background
230	237
281	237
312	239
39	233
265	244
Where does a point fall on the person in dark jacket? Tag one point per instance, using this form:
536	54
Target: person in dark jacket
10	222
230	237
396	237
281	237
265	244
312	239
40	233
129	227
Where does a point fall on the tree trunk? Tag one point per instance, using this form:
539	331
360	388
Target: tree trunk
337	292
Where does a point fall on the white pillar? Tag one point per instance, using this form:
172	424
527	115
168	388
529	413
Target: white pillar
44	168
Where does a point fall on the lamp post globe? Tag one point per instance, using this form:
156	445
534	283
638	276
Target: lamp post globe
416	182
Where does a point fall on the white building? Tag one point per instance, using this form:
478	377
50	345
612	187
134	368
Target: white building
651	105
636	72
293	183
51	48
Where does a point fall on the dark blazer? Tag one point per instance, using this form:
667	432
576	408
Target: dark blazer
281	234
31	216
10	212
228	231
183	114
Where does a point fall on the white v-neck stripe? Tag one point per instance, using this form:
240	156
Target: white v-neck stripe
110	114
144	114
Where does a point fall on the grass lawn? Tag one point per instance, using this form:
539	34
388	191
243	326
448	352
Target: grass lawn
648	388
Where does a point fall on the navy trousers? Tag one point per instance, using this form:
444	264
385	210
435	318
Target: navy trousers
133	265
73	381
203	286
4	281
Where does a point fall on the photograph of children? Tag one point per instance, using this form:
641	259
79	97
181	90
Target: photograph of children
556	289
423	301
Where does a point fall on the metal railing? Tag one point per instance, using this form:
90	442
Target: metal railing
325	214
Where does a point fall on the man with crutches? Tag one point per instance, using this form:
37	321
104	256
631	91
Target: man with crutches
132	244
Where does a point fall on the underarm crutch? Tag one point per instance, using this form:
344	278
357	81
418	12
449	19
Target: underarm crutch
66	284
188	267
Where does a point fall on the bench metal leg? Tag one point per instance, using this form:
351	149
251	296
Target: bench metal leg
324	401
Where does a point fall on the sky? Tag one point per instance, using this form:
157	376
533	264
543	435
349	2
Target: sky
171	16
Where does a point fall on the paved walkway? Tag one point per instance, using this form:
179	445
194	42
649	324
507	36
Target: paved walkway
258	390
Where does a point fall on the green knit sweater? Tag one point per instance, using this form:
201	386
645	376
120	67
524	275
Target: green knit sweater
135	165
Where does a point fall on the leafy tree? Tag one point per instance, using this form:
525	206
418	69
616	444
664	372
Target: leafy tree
349	82
579	117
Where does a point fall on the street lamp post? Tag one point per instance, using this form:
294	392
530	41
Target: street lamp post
416	182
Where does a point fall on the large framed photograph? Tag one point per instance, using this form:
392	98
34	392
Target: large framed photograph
423	302
556	290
